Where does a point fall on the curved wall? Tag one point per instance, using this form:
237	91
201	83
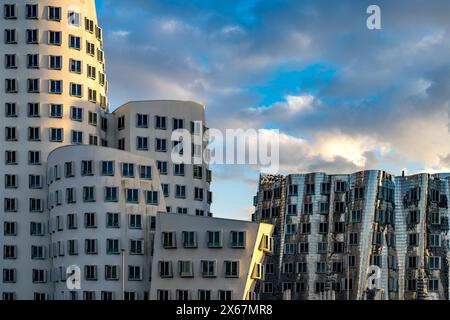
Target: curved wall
96	225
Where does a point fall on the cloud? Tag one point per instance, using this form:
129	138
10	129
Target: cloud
380	100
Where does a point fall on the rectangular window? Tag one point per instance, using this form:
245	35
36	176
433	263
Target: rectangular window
76	114
111	194
32	36
231	269
11	85
136	246
180	191
189	239
75	66
31	11
10	61
142	143
10	36
141	120
112	246
56	110
56	134
55	62
238	239
112	220
160	122
77	137
33	85
89	194
128	170
135	221
76	90
10	11
161	145
54	38
208	268
54	13
152	197
55	86
74	42
214	239
107	168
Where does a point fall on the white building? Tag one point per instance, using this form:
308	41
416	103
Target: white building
204	258
103	204
54	94
145	128
55	104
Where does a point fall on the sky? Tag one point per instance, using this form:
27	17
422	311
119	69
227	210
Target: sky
345	98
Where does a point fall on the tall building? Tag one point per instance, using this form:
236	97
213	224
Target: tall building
367	235
54	94
204	258
145	128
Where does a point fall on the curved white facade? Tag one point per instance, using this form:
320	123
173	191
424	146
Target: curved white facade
99	206
145	128
53	63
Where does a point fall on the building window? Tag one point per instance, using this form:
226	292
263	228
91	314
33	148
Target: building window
142	143
145	172
434	262
136	246
132	195
34	134
10	61
134	273
56	86
178	169
90	246
31	11
87	168
214	239
75	43
33	85
112	220
112	246
135	221
152	197
208	268
165	269
56	110
160	122
107	168
177	124
54	13
11	85
141	120
128	170
161	145
89	194
162	167
77	137
111	272
32	36
10	11
231	269
111	194
10	36
185	269
189	239
75	66
76	90
180	191
54	38
238	239
34	157
169	240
